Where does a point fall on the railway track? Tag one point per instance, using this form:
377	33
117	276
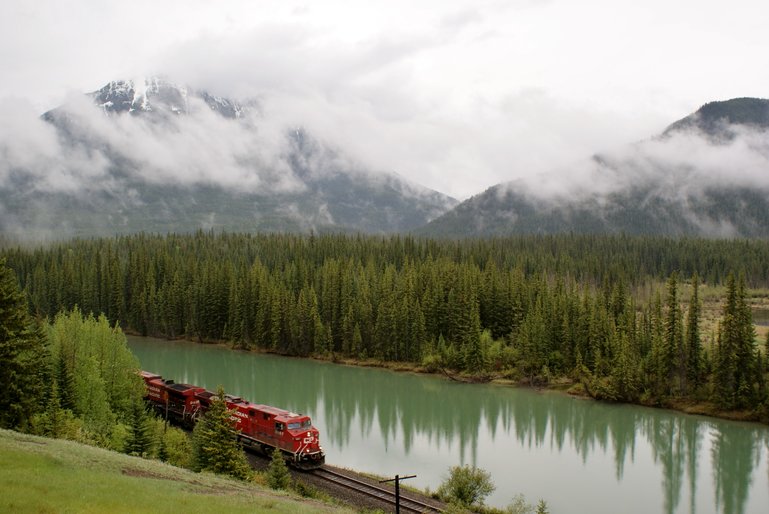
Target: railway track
373	491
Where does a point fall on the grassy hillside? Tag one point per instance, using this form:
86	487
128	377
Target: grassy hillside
49	475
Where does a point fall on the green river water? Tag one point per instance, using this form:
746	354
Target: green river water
580	456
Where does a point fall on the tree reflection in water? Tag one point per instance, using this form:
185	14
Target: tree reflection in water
398	415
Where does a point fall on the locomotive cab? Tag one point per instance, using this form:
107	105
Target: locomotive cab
301	438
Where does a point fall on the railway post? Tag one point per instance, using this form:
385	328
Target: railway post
397	481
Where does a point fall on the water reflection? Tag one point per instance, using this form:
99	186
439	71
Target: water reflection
581	456
735	454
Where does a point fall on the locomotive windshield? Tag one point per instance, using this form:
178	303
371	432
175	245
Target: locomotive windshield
296	425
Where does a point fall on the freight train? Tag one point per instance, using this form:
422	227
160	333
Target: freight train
256	426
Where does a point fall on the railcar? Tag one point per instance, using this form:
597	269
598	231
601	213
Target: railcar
176	402
256	426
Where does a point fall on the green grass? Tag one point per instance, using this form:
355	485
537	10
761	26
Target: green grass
47	475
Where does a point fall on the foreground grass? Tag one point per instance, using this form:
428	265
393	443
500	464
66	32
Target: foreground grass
50	475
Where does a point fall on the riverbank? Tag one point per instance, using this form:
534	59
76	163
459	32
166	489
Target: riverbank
563	385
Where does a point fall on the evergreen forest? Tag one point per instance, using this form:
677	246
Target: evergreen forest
619	316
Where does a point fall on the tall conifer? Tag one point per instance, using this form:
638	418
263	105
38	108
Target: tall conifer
23	355
214	446
693	342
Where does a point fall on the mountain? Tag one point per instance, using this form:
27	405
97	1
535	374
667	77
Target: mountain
717	120
151	155
158	95
705	175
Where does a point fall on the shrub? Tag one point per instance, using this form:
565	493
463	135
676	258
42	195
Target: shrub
466	486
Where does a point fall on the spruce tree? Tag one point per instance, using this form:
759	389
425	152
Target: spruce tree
139	441
624	376
672	359
278	476
694	362
734	373
66	383
214	446
724	363
23	356
746	354
766	351
52	420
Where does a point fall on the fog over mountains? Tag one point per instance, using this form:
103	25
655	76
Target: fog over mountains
705	175
150	155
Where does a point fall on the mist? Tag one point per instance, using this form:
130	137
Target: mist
678	166
187	159
201	147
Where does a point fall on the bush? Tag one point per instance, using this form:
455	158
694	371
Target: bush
466	486
431	363
310	491
119	437
58	424
176	446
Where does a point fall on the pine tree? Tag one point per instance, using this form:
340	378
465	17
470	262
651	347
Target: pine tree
529	342
766	351
66	383
624	377
694	362
278	476
214	446
465	325
23	356
655	367
163	449
672	359
52	420
746	354
734	373
139	441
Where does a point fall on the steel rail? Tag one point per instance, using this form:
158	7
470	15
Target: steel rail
372	491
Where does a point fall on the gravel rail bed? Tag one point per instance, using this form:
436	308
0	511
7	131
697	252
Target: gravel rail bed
352	498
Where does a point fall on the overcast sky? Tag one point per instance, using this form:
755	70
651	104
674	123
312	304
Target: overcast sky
457	95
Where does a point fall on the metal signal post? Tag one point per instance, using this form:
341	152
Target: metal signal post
397	481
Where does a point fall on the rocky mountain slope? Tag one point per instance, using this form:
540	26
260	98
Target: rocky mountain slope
705	175
150	155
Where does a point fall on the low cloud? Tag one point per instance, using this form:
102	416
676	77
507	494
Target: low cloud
98	157
100	151
682	165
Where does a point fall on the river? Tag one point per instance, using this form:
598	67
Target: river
579	455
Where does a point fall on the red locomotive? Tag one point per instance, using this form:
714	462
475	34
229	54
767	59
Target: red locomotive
256	426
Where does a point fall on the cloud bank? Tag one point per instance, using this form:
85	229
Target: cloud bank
454	95
682	165
201	147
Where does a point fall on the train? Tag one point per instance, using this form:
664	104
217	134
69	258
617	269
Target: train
259	427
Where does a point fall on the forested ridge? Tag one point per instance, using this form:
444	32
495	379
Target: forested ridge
529	307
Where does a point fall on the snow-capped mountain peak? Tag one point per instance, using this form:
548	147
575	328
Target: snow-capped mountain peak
156	94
